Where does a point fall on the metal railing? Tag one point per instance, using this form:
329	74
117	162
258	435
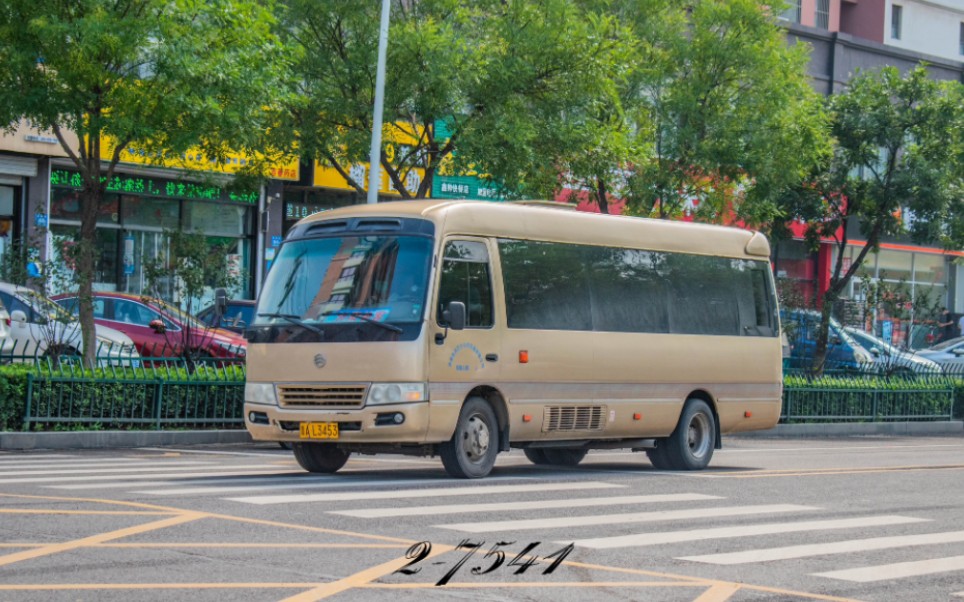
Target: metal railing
867	397
126	390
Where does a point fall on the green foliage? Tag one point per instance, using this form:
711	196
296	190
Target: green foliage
83	399
500	75
837	398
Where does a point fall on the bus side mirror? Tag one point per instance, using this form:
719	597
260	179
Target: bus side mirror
454	315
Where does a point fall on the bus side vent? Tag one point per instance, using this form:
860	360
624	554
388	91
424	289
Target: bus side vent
573	418
321	396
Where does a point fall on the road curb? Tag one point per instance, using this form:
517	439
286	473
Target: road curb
118	439
857	429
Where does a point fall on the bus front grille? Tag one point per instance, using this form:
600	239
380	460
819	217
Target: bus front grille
573	418
321	396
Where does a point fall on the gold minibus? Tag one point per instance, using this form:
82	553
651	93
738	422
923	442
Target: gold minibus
465	328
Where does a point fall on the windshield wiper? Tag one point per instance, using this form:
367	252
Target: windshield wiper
296	320
366	316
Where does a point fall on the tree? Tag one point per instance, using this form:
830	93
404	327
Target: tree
715	106
895	170
166	74
501	75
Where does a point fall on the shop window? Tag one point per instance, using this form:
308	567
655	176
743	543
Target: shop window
65	205
894	265
155	213
929	268
218	219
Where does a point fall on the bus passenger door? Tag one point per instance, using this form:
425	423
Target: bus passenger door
459	360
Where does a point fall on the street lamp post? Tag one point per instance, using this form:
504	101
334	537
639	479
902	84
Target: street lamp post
374	170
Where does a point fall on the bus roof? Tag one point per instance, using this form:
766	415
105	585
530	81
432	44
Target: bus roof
544	222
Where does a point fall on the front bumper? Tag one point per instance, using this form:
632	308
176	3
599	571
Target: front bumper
273	423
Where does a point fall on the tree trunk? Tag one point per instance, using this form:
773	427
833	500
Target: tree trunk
86	263
601	195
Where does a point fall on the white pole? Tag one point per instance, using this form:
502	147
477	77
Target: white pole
374	162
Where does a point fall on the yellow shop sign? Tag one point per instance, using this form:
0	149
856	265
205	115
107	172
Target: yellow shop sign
194	160
398	139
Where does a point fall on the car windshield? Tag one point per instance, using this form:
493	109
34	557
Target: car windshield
46	308
947	344
345	288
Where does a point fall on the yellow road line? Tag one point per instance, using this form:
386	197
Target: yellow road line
150	586
271	523
360	578
99	538
721	592
321	546
538	584
91	512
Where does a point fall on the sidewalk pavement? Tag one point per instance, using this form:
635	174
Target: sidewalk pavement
120	439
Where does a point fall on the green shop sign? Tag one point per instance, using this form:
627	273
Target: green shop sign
463	187
156	187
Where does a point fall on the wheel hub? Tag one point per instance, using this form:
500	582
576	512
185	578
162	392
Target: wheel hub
476	438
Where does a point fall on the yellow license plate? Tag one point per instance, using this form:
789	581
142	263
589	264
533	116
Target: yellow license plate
319	430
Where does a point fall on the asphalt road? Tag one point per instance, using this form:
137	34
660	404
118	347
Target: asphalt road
772	519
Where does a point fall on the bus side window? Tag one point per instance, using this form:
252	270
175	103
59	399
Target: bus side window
465	278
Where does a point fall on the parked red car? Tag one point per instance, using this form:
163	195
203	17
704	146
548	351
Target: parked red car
158	328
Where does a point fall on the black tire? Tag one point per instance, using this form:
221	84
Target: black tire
284	444
657	456
691	445
565	456
320	457
471	452
536	455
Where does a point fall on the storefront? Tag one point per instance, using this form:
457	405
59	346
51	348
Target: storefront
133	218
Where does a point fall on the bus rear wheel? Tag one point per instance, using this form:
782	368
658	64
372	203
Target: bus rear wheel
320	457
471	452
691	445
565	456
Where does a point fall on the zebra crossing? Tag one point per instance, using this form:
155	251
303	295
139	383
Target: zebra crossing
580	510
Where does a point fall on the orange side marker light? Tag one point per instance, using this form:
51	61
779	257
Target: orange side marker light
637	416
748	414
523	357
526	418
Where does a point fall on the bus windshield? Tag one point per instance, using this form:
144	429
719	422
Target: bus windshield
361	288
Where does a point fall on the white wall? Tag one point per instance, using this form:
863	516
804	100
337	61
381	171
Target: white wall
929	26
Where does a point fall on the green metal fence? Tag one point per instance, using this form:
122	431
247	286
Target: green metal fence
141	393
866	398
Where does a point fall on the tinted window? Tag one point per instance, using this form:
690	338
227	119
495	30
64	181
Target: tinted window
546	285
575	287
465	278
13	304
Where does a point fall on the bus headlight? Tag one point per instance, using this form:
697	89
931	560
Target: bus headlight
260	393
380	393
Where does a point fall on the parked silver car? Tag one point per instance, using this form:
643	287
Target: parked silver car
892	360
949	354
38	327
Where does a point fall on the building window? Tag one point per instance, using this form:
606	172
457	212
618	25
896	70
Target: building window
961	36
823	14
793	12
896	16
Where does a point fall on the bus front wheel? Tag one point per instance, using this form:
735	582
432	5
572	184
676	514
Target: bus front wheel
471	452
691	445
320	457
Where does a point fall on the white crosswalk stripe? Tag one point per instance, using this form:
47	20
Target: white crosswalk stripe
293	482
621	519
535	505
827	549
662	538
73	469
421	493
898	570
190	471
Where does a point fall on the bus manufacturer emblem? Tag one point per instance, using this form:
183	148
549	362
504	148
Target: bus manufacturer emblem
320	361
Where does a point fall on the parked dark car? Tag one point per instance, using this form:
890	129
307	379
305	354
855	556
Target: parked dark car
158	328
843	352
237	315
